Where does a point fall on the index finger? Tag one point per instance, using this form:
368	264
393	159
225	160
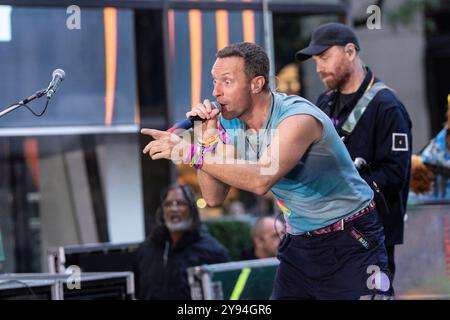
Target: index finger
207	105
214	113
155	134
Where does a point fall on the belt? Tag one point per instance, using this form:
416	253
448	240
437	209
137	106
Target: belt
338	226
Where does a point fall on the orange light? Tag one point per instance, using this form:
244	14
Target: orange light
195	36
222	29
110	19
31	150
248	22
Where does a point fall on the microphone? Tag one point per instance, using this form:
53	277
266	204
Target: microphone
360	163
58	77
189	122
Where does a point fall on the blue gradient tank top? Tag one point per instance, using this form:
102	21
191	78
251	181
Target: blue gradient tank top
324	187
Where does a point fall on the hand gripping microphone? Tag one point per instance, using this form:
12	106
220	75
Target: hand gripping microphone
58	77
189	122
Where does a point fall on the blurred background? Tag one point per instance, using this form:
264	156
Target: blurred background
76	175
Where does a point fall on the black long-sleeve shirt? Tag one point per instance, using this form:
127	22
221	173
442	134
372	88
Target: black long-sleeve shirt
383	138
161	269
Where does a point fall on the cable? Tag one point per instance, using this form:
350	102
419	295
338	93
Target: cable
36	114
29	109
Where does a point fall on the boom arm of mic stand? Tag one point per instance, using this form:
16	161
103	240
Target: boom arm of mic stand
13	107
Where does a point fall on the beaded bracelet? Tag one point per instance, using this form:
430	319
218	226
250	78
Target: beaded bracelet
195	153
211	141
194	156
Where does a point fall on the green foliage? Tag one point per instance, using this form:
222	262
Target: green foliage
233	234
405	12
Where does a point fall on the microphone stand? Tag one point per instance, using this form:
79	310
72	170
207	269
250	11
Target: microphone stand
13	107
9	109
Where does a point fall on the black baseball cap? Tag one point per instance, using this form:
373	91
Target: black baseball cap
326	36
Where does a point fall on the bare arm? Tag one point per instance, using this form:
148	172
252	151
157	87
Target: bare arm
213	191
221	170
294	136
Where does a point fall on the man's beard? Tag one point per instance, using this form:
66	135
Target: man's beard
337	82
183	225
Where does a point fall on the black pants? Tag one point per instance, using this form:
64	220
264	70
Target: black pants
347	264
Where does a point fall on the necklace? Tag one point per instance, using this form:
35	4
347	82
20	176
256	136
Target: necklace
261	134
